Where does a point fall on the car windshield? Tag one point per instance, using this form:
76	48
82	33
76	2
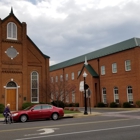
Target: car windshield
28	108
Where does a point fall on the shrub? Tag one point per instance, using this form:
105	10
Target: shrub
113	105
76	104
126	105
138	103
71	105
66	104
58	103
101	104
25	105
1	108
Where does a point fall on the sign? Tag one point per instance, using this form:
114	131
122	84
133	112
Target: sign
81	86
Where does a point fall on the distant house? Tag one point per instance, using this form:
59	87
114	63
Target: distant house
24	68
113	73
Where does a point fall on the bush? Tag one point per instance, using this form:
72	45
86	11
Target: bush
113	105
76	104
138	103
101	104
25	105
58	103
1	108
126	105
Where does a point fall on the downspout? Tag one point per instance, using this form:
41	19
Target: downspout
99	78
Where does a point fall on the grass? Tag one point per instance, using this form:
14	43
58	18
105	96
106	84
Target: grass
69	111
1	115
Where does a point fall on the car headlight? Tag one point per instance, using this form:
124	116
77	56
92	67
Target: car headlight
15	114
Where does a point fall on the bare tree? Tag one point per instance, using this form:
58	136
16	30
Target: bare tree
60	90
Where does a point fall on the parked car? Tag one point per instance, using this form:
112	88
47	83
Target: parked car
39	111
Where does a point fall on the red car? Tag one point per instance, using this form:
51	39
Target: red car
39	111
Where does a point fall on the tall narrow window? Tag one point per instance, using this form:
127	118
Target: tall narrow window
56	79
11	31
72	75
34	87
130	94
127	65
116	95
114	68
67	97
66	77
61	77
51	79
73	96
102	70
104	95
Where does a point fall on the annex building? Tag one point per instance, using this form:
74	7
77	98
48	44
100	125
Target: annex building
113	74
24	69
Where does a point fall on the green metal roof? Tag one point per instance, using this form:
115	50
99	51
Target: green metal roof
127	44
90	70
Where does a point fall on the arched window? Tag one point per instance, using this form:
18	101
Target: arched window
11	84
130	94
104	95
11	31
116	95
34	87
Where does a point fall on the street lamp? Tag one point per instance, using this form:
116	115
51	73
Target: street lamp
85	87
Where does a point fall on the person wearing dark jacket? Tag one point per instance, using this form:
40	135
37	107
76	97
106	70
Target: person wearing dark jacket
6	112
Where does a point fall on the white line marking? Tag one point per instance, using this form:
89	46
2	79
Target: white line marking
72	133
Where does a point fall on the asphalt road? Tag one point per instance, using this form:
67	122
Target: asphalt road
111	125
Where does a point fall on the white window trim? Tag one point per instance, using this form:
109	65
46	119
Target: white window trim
37	87
72	75
73	96
128	99
127	66
51	79
56	78
67	77
102	70
115	94
103	96
12	24
114	69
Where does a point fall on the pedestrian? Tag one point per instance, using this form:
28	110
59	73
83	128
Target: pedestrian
7	112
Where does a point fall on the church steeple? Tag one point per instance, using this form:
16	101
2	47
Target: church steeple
11	13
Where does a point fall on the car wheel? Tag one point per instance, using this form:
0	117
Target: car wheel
54	116
23	118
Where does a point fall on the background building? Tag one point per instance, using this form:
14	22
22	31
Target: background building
113	73
24	68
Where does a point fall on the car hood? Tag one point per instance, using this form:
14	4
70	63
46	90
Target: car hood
21	111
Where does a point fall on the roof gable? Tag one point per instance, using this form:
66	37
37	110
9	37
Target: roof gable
90	70
11	14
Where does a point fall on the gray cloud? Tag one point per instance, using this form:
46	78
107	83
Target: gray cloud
69	30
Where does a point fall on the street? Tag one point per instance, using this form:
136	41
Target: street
110	125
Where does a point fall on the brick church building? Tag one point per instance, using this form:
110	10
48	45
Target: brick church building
113	74
24	69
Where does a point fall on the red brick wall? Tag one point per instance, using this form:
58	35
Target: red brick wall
19	69
122	79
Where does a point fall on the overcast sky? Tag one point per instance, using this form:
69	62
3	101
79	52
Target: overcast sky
64	29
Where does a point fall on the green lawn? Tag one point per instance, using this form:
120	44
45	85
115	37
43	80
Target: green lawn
69	112
1	115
